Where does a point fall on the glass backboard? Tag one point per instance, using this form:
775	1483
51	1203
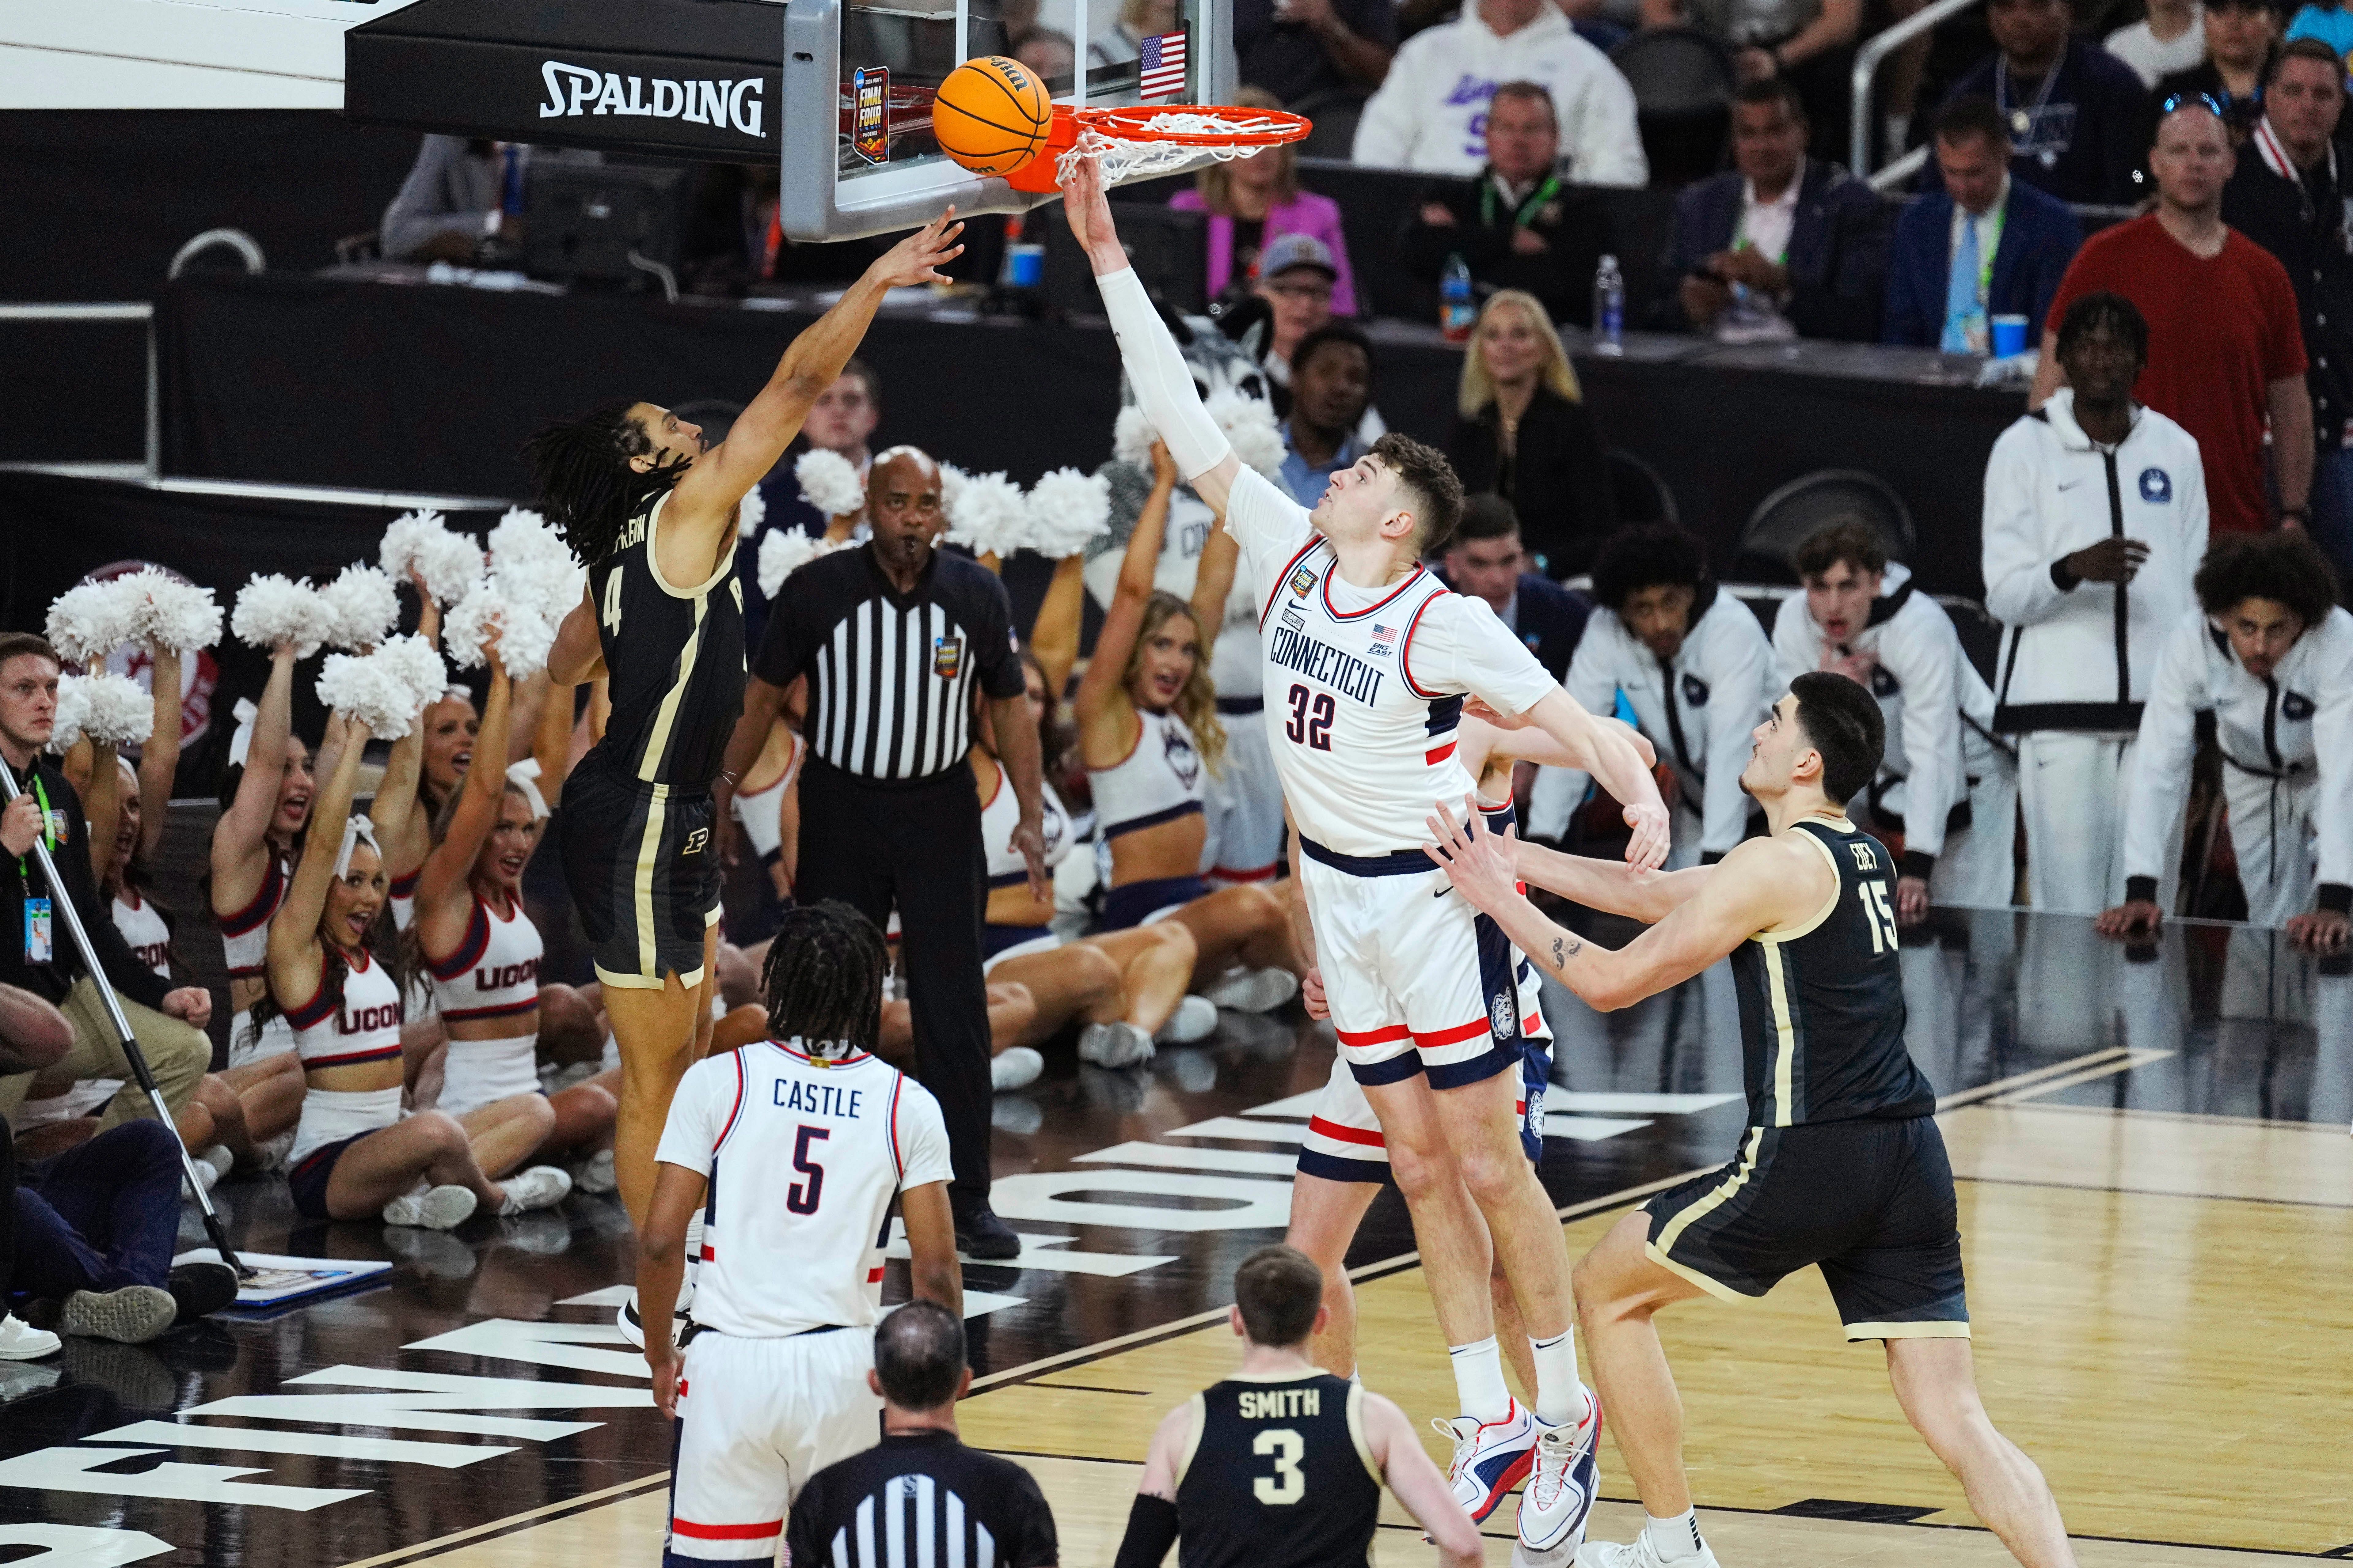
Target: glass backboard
858	158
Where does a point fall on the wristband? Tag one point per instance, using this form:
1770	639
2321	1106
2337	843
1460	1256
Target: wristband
1916	863
2140	890
2336	898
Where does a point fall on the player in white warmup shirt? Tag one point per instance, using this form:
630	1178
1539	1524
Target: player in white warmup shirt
792	1148
1367	660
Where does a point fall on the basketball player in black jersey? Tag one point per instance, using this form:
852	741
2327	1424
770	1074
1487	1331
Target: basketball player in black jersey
1281	1465
649	507
1842	1165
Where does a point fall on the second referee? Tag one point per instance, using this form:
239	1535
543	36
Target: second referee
894	637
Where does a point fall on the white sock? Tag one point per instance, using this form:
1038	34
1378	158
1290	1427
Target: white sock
1675	1539
1479	1380
1559	1400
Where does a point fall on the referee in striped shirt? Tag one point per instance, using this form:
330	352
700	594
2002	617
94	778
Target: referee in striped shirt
895	637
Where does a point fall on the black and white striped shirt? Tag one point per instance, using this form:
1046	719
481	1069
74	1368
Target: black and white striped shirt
921	1500
892	675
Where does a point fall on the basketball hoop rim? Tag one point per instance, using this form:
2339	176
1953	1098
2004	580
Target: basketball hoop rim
1251	128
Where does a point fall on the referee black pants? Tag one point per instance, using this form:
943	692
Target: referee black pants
918	847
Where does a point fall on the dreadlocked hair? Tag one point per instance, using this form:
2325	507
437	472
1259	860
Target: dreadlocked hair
824	979
586	482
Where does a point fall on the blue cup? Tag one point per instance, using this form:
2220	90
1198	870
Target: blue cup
2008	336
1026	266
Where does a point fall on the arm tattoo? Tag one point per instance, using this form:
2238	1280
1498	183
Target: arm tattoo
1562	946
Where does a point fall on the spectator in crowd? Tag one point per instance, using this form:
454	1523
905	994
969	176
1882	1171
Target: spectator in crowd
95	1229
2090	571
1985	246
841	420
1795	232
2269	656
2331	23
1431	112
2224	347
1123	42
2241	38
1485	560
1695	668
2170	37
1297	276
1331	387
2073	108
2290	195
1516	224
1253	202
43	958
1809	44
463	200
1521	431
1299	49
1944	784
1053	56
33	1035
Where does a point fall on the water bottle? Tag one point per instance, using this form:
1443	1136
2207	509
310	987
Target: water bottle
1609	307
1456	313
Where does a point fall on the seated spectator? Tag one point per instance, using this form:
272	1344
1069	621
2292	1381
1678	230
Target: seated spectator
95	1229
2073	108
1053	56
2290	195
1516	225
2243	40
1800	236
1485	560
2171	37
1331	387
1299	49
1521	431
1985	246
463	201
1123	42
33	1035
1431	112
1251	203
2331	23
1297	276
1809	44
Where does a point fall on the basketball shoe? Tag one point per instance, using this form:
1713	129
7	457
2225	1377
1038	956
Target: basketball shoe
1490	1459
1562	1481
1643	1552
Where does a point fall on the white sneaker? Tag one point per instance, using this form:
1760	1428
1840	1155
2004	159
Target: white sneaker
540	1187
1196	1018
1639	1554
1117	1044
211	1165
1015	1067
19	1341
1253	990
1490	1459
1561	1485
633	1330
437	1208
595	1174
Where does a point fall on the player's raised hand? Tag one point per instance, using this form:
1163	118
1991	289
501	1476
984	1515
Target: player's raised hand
919	257
1647	850
1482	865
1087	209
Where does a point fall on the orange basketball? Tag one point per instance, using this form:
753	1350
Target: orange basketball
992	115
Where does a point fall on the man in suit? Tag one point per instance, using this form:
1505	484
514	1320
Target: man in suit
1788	231
1485	560
462	201
1985	246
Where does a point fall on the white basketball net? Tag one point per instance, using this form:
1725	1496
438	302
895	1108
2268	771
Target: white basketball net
1122	159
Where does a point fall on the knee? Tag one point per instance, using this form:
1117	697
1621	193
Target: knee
440	1129
1419	1170
1175	942
538	1114
1093	967
182	1048
1262	908
1492	1175
589	1106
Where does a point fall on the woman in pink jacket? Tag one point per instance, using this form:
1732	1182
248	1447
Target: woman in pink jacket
1250	201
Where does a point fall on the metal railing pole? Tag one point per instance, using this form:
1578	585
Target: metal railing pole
1866	69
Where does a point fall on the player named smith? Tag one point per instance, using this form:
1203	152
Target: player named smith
1842	1165
1368	660
649	508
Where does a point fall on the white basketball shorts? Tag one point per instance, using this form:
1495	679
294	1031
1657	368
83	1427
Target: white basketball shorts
756	1418
1418	980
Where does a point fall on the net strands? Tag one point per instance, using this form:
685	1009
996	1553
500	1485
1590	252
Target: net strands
1135	143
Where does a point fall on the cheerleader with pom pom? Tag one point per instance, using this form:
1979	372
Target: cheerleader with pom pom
265	800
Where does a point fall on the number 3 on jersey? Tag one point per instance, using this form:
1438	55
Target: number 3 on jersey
612	613
1289	1482
1877	914
1311	718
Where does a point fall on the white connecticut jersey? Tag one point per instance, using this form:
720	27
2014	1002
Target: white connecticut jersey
1364	687
804	1156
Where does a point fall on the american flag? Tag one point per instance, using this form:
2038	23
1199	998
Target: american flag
1162	65
1383	634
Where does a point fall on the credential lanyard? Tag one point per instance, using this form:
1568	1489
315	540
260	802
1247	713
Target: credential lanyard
48	822
1524	211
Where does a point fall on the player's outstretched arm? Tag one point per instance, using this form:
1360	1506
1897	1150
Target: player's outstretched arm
1617	765
1610	886
1416	1484
1163	382
1151	1517
662	1264
931	1246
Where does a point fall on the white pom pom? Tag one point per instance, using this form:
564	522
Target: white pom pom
1250	426
785	552
953	480
365	606
534	569
116	709
373	690
73	711
270	610
989	515
449	563
413	661
525	631
1068	510
750	513
1132	435
830	483
524	534
90	620
169	611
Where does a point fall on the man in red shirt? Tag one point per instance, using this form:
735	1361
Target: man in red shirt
2225	343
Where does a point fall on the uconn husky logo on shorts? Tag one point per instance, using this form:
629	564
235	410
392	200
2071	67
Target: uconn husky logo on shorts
1184	762
1504	1014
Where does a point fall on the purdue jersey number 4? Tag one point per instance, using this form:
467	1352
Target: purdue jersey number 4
674	657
